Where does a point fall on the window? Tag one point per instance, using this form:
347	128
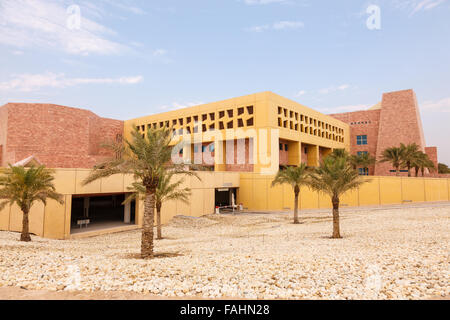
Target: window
211	148
281	147
203	148
286	148
360	153
361	140
363	171
195	149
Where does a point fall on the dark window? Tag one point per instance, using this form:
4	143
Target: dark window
250	122
361	140
360	153
240	111
286	148
363	171
281	147
250	109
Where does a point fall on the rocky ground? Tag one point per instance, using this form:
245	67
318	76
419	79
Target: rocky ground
396	253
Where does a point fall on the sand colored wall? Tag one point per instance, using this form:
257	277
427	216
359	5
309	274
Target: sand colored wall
255	116
256	193
53	220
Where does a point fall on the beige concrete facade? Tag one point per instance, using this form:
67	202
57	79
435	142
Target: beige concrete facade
54	220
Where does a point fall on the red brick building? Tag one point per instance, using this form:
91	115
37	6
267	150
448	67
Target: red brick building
393	121
58	136
64	137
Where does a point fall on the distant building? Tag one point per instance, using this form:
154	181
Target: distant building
393	121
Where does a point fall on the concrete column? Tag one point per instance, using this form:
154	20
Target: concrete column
86	207
127	213
313	156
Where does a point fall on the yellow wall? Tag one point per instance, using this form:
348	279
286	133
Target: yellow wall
53	220
255	192
268	111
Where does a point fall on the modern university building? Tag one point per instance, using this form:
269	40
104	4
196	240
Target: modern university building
241	143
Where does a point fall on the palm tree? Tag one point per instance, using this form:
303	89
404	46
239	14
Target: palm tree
146	157
443	168
422	162
24	187
296	177
409	153
361	160
339	153
166	191
394	155
334	177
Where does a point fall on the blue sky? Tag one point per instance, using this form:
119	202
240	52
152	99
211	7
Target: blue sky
130	58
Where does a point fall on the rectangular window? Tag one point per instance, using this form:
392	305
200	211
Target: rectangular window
203	148
360	153
286	148
281	147
363	171
361	140
211	148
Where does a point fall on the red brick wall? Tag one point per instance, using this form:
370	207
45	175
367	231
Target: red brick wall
58	136
284	155
432	154
400	123
235	160
362	123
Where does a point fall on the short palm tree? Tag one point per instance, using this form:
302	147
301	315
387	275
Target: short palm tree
146	157
334	177
296	177
25	186
166	191
408	154
362	160
422	162
339	153
394	155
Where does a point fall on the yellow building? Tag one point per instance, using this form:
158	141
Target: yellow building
254	133
242	143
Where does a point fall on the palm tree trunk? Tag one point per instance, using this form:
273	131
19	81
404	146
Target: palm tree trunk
147	228
336	224
158	222
409	169
296	221
417	171
397	171
25	236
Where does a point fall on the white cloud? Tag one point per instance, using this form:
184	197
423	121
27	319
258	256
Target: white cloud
34	82
159	52
262	2
426	5
348	108
43	24
281	25
415	6
300	93
442	105
176	105
334	88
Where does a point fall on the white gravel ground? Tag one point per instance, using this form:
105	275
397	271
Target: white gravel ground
397	253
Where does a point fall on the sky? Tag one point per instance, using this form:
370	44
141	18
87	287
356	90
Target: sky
124	59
